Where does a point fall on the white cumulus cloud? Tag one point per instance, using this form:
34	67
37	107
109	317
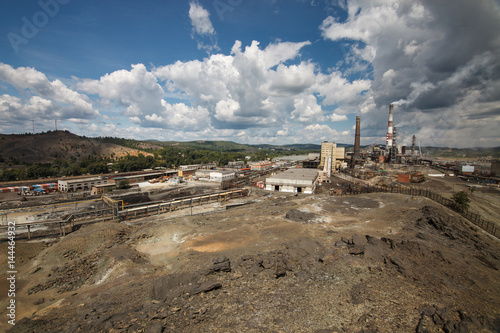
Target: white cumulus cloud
200	19
50	99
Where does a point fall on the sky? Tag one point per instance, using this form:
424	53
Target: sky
253	71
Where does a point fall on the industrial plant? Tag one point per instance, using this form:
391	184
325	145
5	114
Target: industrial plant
184	247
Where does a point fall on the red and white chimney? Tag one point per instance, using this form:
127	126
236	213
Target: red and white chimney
390	129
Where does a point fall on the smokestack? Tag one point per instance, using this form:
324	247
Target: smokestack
357	138
390	129
394	149
413	146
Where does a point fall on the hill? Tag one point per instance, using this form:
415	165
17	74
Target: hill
227	146
47	147
307	146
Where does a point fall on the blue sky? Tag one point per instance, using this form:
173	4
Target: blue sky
253	71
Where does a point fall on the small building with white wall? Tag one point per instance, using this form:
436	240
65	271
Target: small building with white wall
71	185
220	176
294	181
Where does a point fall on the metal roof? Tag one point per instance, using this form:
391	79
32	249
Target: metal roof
294	175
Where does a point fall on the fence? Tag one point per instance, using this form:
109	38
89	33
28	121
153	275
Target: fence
476	219
144	210
67	223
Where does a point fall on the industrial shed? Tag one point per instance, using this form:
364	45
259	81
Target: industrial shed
71	185
294	181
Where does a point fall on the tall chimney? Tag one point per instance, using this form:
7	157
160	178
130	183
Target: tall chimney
357	138
390	129
413	146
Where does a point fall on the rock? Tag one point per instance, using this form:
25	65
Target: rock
359	240
421	235
357	250
299	216
156	327
220	264
396	262
347	241
359	293
171	286
280	270
39	301
205	288
303	275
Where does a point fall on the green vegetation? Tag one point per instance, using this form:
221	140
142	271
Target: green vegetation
124	184
129	143
170	156
460	201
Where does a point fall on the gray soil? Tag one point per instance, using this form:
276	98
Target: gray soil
366	263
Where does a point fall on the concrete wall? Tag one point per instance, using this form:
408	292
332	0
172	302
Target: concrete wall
291	188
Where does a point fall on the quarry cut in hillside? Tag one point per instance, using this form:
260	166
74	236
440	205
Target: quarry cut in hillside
366	263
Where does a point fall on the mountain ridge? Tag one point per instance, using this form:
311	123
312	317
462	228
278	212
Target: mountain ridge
48	146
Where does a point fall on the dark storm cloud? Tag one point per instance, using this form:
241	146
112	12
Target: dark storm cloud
440	60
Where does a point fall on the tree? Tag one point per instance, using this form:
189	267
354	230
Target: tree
460	201
124	184
13	174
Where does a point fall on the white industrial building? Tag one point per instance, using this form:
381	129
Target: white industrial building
220	176
72	185
294	181
205	166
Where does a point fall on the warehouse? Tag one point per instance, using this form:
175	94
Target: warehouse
101	189
294	181
72	185
220	176
137	178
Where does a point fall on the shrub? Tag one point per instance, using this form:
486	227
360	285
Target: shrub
460	201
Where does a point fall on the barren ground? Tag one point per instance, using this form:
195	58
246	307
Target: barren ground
366	263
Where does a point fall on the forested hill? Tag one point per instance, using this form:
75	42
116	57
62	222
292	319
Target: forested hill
227	146
50	146
60	153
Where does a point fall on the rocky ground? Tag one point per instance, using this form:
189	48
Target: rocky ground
366	263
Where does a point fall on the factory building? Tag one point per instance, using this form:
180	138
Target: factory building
262	166
220	176
310	163
495	169
72	185
101	189
294	181
137	178
331	157
187	172
204	166
236	164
